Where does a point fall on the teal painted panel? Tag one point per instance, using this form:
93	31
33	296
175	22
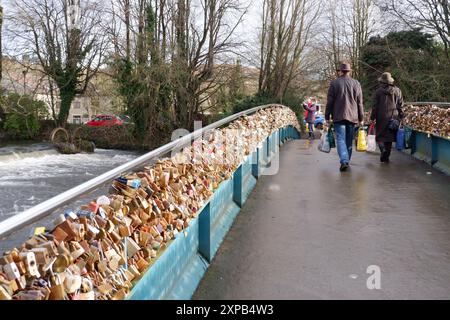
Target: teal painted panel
441	154
422	147
164	275
179	269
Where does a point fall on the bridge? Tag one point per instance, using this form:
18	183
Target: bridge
311	232
307	232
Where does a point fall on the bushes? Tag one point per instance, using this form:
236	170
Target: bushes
115	137
23	115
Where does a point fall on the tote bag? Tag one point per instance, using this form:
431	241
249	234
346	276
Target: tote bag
371	139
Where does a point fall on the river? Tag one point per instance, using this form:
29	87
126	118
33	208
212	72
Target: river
34	173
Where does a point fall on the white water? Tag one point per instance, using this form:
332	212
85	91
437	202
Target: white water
27	179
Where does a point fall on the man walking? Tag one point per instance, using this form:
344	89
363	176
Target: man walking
345	106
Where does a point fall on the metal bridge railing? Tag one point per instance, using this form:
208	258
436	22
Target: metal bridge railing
439	104
47	207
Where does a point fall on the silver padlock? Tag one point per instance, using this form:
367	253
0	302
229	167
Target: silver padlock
11	271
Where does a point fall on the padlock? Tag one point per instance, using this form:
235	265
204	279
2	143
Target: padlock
70	214
57	291
4	294
105	288
59	234
142	264
87	295
110	253
61	263
41	255
119	295
92	232
21	267
147	252
67	227
29	260
144	238
115	237
114	262
77	253
132	247
51	248
134	271
60	219
102	213
11	271
31	243
72	283
124	231
79	231
156	245
13	285
94	206
6	259
21	282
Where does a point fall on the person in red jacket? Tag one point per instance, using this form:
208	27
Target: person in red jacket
310	116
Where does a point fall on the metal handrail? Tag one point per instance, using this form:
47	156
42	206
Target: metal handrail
439	104
45	208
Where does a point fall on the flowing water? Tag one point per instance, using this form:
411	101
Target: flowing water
32	174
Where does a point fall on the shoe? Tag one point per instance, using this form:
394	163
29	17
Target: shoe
344	167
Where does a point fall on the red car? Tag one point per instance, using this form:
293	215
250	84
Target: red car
104	120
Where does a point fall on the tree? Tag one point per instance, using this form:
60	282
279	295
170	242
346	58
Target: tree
66	40
165	58
430	15
350	25
412	56
1	52
23	117
285	33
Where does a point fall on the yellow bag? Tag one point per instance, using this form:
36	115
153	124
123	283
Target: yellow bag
362	141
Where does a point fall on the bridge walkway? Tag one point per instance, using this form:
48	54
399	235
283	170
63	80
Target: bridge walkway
311	232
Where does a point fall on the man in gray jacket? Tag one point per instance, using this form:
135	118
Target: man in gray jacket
345	106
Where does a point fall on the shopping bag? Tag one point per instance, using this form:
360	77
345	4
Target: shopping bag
371	139
408	137
400	144
330	137
324	144
362	142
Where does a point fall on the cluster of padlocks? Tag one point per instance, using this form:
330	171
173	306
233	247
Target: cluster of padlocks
429	119
99	251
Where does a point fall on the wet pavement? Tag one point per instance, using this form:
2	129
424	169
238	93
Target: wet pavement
311	232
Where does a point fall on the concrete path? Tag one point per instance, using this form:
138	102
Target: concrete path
311	232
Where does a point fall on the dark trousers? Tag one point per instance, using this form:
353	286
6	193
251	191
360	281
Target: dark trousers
385	148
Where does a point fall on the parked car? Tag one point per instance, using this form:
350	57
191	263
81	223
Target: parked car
125	119
105	120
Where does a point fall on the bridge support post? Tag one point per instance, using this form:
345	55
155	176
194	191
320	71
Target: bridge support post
204	246
255	163
238	186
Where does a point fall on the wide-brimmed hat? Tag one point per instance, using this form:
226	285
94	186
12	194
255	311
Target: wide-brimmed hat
386	78
345	67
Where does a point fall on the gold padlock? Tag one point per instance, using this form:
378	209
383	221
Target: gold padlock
57	291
